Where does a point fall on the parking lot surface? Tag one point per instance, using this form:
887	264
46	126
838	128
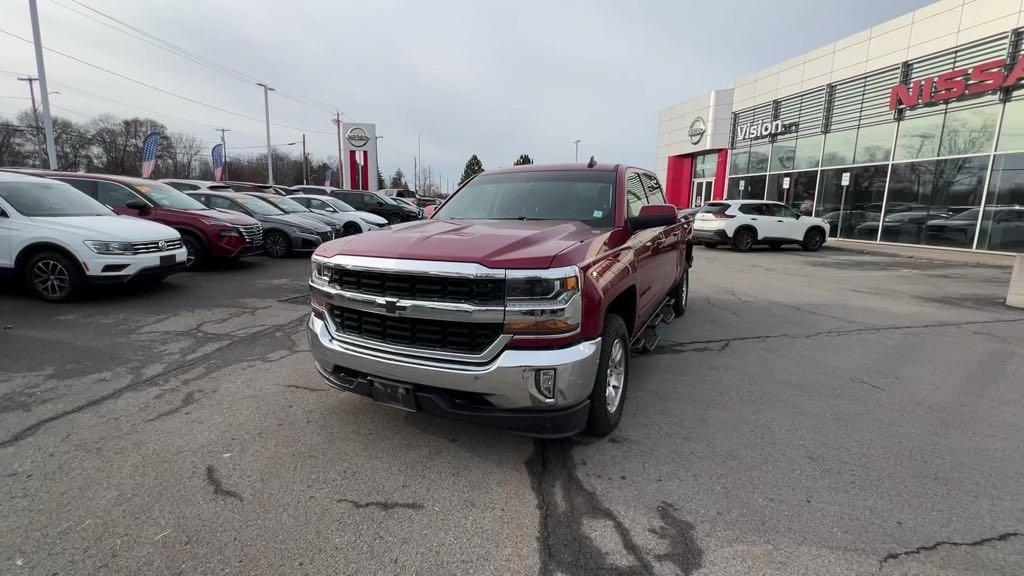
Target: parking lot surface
828	413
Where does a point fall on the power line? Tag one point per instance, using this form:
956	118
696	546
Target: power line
181	52
161	90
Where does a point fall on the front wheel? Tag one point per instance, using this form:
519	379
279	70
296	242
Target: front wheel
350	229
608	397
681	294
813	240
276	244
195	252
53	277
394	218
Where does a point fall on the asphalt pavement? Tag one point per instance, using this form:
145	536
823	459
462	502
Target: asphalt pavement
828	413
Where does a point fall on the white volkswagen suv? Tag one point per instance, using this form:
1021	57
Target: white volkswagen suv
744	223
58	240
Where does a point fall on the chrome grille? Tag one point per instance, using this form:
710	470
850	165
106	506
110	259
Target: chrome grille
461	337
253	234
154	246
476	291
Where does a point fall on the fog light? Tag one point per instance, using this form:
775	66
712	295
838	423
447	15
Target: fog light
545	382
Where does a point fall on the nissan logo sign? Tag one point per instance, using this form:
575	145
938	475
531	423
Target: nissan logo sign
697	130
357	137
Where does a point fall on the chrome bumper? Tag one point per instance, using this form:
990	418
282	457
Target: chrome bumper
507	380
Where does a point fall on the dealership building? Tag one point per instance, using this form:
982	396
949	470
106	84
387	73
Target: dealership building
911	132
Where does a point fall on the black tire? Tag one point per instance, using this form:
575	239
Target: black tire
743	240
277	244
681	294
602	420
53	277
350	229
813	240
394	218
195	251
711	245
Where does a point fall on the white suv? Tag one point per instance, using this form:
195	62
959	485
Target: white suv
744	223
58	240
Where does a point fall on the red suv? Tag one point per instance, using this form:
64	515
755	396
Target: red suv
205	232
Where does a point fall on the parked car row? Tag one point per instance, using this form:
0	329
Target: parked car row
62	231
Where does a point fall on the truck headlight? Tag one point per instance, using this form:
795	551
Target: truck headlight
543	302
109	248
320	275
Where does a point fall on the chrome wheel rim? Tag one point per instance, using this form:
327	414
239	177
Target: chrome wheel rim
746	242
276	245
616	376
684	290
50	278
190	253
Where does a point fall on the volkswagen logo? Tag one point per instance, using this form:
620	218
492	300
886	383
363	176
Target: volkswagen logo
162	244
357	137
697	130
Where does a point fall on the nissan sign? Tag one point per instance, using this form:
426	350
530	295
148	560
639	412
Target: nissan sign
979	79
357	137
697	130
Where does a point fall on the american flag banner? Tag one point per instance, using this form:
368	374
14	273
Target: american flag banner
150	147
327	177
218	162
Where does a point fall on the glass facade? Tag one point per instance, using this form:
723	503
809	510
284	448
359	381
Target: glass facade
947	174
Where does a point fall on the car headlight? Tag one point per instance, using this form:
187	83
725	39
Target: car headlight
543	302
217	222
320	275
109	248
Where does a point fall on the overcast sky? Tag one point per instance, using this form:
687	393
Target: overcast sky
495	79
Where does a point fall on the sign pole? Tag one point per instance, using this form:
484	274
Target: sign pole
842	204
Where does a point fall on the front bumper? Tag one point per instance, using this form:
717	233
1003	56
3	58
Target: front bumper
500	392
102	269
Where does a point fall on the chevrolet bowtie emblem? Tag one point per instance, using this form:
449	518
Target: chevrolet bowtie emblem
390	305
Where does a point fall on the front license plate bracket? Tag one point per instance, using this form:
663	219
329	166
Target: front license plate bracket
393	394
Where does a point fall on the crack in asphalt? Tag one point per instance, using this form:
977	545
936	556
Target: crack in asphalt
188	400
669	347
921	549
383	505
564	503
31	429
218	486
300	387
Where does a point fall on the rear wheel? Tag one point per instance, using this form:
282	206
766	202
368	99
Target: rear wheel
276	244
813	240
53	277
743	240
350	229
608	397
681	294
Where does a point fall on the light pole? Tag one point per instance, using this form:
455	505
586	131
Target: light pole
266	107
51	149
577	143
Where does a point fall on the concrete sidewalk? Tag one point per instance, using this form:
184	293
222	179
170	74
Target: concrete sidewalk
924	253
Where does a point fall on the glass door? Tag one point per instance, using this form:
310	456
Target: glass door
701	192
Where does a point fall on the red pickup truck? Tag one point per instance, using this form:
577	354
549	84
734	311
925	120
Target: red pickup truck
516	304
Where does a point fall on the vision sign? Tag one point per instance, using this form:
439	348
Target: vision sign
760	129
984	77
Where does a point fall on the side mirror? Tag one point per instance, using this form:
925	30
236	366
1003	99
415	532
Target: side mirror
654	216
137	205
428	212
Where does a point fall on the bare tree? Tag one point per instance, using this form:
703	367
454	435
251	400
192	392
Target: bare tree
180	155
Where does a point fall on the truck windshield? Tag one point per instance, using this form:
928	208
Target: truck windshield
48	198
580	195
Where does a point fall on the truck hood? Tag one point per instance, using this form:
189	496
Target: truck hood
491	243
114	228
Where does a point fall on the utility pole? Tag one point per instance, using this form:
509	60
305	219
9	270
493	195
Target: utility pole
32	92
224	149
51	148
270	155
341	166
577	151
305	166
